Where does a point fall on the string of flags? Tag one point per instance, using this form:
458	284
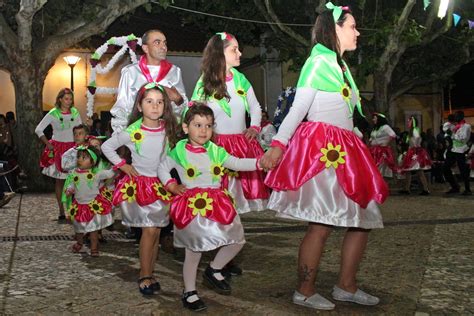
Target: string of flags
443	7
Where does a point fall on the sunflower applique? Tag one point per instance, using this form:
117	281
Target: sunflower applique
137	136
332	156
192	172
129	192
346	93
241	92
96	207
200	203
73	210
161	192
76	179
89	176
231	198
106	193
217	172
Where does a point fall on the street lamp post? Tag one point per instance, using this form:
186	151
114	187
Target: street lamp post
72	61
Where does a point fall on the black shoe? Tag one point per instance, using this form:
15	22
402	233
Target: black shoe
404	192
467	193
231	270
146	290
220	286
62	219
453	191
424	192
195	306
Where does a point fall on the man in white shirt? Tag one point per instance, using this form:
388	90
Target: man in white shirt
457	154
152	67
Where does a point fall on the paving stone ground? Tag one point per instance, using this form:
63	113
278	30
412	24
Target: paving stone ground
421	263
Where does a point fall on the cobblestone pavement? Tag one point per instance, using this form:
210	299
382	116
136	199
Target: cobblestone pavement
421	263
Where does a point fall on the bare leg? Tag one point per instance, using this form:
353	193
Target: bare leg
353	248
149	235
94	238
156	250
311	249
58	188
423	180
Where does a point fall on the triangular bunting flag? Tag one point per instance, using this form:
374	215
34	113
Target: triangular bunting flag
456	18
471	24
426	3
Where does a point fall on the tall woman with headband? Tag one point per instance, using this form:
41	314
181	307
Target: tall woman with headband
62	118
324	174
230	96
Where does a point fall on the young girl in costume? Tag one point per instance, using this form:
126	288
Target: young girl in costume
62	118
379	144
230	96
89	210
416	158
141	196
204	214
324	174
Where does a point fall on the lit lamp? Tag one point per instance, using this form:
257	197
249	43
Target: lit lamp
72	61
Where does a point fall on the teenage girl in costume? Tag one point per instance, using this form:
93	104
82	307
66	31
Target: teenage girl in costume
416	159
141	196
379	144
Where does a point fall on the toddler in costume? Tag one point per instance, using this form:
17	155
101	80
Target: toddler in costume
203	212
88	210
141	196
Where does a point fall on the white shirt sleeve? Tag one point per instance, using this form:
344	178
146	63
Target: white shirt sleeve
303	100
463	134
389	131
240	164
39	130
164	169
254	108
124	104
109	148
179	85
105	174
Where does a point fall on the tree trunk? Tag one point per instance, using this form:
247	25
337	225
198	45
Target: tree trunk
381	93
28	82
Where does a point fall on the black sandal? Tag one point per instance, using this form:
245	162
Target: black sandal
195	306
146	290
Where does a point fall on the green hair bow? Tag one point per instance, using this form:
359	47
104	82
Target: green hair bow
336	10
93	154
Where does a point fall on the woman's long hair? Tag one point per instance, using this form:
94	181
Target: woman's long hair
213	67
171	124
324	31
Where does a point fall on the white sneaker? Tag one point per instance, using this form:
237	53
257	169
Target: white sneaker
315	301
359	297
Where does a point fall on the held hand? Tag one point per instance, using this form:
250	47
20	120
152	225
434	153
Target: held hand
69	192
174	95
176	189
272	158
250	133
129	170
